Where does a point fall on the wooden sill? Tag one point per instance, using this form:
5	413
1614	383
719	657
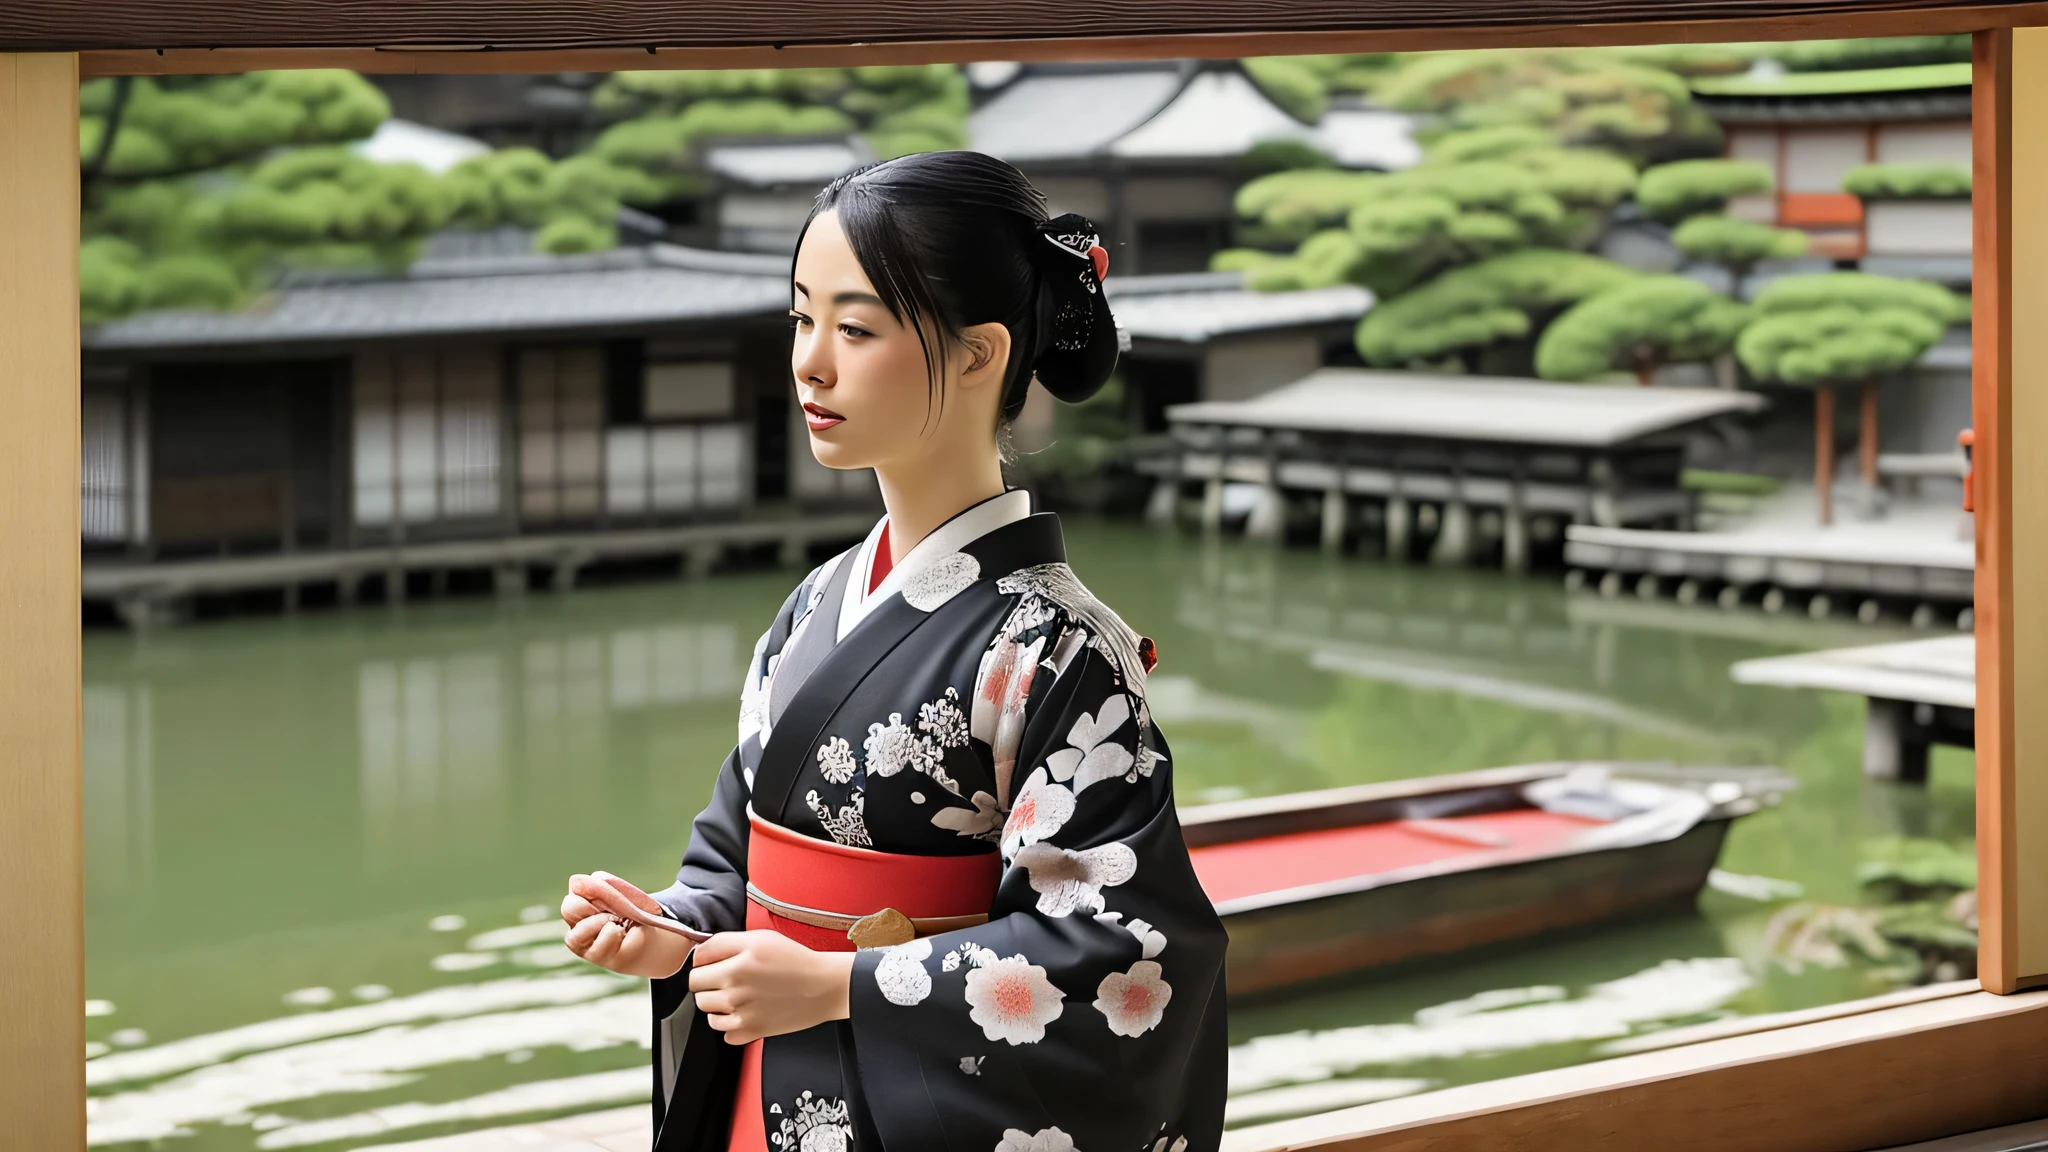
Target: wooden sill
1869	1074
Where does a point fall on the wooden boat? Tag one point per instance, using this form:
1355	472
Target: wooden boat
1317	885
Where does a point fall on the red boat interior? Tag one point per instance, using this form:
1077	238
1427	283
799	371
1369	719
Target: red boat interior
1274	863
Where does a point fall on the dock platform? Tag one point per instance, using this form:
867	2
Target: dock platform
1914	562
145	593
1921	692
1476	464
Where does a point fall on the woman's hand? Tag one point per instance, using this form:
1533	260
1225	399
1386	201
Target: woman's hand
755	984
594	908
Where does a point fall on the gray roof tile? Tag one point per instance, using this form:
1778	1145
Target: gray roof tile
624	288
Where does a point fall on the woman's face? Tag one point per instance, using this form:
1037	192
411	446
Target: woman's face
860	373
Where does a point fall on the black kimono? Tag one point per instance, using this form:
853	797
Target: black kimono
979	701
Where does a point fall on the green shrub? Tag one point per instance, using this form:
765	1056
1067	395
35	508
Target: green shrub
1908	182
1639	327
1736	244
1687	187
1467	309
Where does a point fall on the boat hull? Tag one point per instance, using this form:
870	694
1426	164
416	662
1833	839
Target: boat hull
1328	936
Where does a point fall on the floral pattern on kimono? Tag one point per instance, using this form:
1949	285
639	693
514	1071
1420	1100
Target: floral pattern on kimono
1008	719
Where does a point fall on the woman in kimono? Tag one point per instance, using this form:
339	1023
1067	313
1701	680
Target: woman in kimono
950	904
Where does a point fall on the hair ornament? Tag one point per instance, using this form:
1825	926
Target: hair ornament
1072	239
1073	234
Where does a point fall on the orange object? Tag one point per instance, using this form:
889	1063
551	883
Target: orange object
1275	863
1819	210
1967	439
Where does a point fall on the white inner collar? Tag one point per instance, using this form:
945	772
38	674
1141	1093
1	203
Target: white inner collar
948	538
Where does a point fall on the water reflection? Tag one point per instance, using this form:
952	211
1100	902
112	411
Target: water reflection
120	791
387	803
445	742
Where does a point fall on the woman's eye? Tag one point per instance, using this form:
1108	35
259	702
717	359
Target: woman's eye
798	321
851	330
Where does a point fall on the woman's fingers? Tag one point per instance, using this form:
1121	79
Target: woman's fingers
604	951
725	961
631	892
720	1002
721	947
575	909
600	894
737	1030
582	934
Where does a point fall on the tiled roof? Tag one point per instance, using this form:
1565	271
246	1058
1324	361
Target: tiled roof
1221	114
1155	114
403	142
628	287
1068	116
1199	307
1502	410
763	165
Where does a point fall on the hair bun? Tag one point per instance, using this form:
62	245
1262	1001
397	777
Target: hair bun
1079	350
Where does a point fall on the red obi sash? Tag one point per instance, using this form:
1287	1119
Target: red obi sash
814	891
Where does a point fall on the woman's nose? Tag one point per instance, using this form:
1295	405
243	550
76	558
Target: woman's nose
812	363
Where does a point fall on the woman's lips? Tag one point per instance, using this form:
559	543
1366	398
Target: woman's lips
818	417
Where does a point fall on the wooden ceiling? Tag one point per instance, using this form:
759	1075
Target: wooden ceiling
535	35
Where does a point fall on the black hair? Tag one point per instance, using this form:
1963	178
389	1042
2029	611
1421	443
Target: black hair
955	239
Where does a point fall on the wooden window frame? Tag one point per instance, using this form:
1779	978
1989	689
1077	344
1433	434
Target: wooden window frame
1889	1070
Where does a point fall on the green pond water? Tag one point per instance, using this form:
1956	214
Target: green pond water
323	852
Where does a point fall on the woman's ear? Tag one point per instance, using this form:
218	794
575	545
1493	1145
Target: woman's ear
987	348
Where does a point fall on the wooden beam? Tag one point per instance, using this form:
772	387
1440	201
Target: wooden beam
42	889
2010	95
151	37
1862	1079
1991	494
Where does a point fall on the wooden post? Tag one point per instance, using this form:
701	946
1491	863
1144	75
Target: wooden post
1335	515
42	887
1212	504
1866	437
1514	525
1824	451
1894	748
1399	515
2009	100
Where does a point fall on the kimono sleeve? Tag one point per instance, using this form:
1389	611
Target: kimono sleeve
694	1071
710	891
1087	1013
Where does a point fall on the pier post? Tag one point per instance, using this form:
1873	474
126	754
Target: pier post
1399	517
1161	506
792	551
509	579
1212	504
1514	528
699	560
1453	543
1268	520
1893	746
1334	518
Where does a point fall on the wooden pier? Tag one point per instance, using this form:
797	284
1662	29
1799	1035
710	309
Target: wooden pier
1475	464
1828	570
146	593
1921	693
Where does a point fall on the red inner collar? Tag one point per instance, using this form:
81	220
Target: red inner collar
878	569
